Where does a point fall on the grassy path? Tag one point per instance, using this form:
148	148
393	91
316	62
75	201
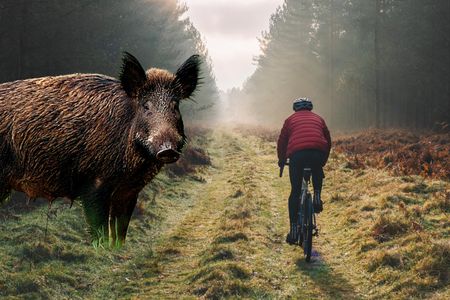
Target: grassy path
232	242
220	234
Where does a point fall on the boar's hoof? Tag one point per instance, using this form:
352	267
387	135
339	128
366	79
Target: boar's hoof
168	156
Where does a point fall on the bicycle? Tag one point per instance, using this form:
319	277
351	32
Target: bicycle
306	221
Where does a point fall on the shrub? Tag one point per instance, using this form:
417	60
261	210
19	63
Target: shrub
401	152
436	263
385	258
388	226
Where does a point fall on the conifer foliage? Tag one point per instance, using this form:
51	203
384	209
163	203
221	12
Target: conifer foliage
381	63
53	37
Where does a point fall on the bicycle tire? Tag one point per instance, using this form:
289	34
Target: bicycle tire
308	228
300	218
299	235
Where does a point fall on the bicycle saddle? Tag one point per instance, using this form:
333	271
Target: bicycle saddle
307	173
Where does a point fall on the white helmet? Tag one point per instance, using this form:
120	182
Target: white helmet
302	104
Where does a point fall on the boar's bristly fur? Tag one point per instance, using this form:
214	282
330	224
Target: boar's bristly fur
93	137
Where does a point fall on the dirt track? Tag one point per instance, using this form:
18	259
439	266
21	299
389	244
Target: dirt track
232	240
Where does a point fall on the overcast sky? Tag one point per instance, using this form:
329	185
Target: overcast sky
230	29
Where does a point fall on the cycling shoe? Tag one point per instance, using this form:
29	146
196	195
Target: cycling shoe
318	206
292	236
317	202
291	240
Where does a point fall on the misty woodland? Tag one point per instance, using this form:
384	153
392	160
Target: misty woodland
128	172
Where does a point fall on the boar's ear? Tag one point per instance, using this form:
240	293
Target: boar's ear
187	75
132	76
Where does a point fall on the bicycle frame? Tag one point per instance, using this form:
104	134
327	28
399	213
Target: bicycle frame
303	196
306	212
305	184
306	221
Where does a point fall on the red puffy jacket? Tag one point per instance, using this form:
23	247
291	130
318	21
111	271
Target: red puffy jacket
303	130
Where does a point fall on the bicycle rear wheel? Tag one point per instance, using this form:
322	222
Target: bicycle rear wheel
308	227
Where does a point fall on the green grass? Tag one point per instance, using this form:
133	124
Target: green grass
220	233
60	262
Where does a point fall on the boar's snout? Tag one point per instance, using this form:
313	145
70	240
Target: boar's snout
167	154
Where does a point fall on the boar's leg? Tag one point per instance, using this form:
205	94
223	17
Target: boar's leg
4	193
6	163
96	209
4	190
122	206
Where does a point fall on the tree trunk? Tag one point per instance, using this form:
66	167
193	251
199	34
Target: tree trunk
21	54
331	90
377	63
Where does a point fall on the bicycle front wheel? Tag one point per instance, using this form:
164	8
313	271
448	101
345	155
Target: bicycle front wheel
308	227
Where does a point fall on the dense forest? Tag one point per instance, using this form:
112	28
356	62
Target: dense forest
380	63
53	37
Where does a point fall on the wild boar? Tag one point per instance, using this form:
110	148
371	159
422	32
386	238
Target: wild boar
93	137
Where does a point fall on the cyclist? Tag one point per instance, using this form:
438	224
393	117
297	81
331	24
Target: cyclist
306	141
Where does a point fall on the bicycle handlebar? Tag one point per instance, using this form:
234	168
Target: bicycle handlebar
282	168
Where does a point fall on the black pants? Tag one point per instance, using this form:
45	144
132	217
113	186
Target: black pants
314	159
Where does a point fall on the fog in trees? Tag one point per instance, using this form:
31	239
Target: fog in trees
54	37
380	63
